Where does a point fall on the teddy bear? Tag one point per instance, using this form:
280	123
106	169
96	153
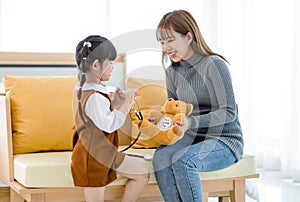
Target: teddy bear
161	125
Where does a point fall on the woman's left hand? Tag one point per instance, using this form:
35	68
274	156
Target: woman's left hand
183	125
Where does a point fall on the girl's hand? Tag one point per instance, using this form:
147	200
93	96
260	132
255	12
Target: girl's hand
129	95
119	97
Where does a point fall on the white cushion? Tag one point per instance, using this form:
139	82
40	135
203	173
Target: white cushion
45	169
52	169
245	166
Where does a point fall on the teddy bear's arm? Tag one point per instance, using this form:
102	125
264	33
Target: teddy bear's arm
167	137
148	129
164	137
179	117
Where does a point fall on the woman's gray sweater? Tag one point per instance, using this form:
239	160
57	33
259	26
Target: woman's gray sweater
205	82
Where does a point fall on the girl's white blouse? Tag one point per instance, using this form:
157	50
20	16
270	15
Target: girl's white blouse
97	108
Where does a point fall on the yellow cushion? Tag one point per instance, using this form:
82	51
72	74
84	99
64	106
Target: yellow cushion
42	117
150	93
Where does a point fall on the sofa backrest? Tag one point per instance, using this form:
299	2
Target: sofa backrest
51	64
41	104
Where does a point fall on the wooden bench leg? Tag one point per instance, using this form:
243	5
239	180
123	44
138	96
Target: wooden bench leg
238	192
15	197
205	196
224	199
4	194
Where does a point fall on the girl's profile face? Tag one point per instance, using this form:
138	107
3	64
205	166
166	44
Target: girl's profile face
107	67
177	46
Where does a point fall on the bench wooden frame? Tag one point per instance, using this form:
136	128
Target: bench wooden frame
233	188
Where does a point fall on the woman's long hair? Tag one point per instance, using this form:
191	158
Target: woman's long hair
182	22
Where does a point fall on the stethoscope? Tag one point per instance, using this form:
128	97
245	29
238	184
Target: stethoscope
139	115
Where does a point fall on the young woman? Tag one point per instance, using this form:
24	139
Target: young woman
213	136
96	160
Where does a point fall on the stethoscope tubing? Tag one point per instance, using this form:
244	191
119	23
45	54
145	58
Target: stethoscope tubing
140	117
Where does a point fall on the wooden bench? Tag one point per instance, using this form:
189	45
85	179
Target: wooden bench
225	184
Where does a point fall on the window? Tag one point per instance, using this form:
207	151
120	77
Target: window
49	26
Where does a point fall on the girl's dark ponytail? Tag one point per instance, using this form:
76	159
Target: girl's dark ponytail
83	66
79	94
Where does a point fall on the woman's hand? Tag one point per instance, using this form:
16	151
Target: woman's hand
152	119
183	125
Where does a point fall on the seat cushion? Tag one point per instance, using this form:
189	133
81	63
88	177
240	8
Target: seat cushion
52	169
245	166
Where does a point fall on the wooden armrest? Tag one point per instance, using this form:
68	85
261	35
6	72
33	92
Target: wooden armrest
6	149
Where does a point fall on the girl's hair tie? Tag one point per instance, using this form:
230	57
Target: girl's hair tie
87	43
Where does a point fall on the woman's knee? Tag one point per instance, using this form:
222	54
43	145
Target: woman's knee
183	164
157	157
183	159
162	157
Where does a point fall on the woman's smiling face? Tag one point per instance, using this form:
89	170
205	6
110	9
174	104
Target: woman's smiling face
177	46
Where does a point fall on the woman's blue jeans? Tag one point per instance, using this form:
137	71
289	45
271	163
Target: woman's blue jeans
176	167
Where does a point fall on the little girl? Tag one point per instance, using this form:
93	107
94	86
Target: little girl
96	160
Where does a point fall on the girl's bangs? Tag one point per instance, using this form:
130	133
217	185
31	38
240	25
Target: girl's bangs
109	50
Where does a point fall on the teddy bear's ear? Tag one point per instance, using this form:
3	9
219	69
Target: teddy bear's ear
189	109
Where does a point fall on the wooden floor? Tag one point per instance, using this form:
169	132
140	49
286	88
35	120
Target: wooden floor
4	194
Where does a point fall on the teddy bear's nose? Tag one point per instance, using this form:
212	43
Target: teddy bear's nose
170	99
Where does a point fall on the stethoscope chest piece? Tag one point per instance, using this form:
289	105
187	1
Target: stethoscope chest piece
148	157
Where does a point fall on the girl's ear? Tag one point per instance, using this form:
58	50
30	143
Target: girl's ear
96	64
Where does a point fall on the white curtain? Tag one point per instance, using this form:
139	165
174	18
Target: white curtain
261	38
